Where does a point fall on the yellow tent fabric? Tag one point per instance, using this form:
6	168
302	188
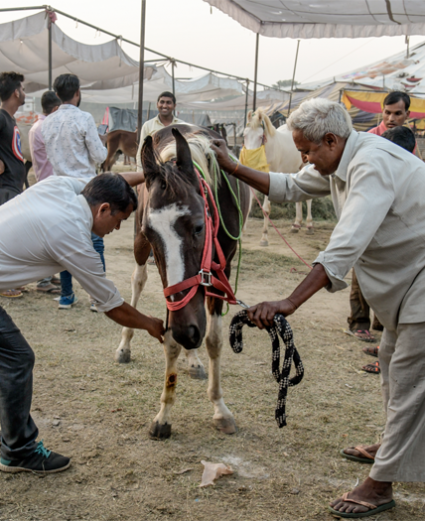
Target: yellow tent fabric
374	102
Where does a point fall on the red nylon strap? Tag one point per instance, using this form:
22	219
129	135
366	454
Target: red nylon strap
205	276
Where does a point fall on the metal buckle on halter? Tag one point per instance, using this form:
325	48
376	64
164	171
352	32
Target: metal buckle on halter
205	278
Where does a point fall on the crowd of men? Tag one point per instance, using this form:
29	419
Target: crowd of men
61	222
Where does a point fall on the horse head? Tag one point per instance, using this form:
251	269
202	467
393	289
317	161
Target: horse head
174	224
258	130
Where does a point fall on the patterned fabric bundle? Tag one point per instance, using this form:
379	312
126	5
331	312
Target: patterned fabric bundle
282	329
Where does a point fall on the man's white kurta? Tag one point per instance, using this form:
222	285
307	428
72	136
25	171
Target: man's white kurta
378	192
48	229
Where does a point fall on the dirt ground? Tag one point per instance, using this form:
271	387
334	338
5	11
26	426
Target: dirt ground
98	412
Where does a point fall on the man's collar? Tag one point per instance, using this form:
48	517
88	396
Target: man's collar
66	106
347	155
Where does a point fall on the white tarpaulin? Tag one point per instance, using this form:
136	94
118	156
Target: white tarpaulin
327	18
397	72
107	74
206	87
24	48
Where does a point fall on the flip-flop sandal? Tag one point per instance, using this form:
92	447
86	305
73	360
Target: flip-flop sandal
364	335
366	459
372	512
372	351
53	290
372	368
11	293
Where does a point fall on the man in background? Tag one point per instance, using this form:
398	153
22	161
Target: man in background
42	167
12	169
73	148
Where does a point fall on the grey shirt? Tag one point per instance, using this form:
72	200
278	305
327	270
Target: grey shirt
378	192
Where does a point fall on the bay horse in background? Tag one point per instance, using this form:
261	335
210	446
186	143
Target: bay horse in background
170	219
119	141
282	156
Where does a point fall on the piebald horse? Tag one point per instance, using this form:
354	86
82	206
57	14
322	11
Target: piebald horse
170	220
282	156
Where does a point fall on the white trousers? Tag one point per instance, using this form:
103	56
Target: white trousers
401	456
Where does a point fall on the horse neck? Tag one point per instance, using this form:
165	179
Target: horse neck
275	146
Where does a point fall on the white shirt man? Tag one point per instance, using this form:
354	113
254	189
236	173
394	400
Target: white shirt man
166	105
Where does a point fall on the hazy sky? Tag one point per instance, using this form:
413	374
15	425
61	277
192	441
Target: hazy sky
191	31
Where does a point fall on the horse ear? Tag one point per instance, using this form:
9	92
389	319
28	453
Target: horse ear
184	157
250	116
148	160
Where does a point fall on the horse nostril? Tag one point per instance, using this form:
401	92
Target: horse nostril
193	334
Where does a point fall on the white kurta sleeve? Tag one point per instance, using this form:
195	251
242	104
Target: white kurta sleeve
306	184
370	196
94	145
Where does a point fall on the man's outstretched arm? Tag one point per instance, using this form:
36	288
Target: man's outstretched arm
262	314
127	316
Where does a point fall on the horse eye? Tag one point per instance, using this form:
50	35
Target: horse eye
163	185
198	229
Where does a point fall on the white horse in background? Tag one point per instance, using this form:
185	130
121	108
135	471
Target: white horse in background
282	156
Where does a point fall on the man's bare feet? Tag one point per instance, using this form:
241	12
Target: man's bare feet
368	451
370	491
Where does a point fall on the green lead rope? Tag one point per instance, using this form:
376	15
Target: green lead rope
240	214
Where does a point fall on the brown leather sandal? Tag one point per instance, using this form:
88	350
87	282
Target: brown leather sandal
367	458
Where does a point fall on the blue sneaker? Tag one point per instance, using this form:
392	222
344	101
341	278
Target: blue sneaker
67	302
41	461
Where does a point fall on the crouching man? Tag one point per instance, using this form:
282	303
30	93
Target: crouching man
42	231
378	190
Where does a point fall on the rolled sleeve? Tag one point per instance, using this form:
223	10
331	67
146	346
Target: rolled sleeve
371	190
306	184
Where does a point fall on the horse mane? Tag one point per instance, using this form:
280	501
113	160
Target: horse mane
259	115
201	152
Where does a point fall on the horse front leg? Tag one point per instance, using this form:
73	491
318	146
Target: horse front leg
138	281
310	229
223	418
267	209
161	426
196	367
298	218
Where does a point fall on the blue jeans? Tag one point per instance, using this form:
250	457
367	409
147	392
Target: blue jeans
66	277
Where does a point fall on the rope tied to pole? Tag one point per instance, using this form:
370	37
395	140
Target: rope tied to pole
283	330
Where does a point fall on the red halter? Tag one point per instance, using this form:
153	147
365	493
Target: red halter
205	276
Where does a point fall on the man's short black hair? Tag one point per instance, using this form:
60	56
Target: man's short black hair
395	97
66	85
49	101
167	94
112	189
401	136
9	82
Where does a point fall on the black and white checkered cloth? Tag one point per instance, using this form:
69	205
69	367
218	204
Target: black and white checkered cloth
282	329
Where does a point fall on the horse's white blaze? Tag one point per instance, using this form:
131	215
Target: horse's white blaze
163	221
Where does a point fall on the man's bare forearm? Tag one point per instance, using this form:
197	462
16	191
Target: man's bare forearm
127	316
314	282
133	178
258	180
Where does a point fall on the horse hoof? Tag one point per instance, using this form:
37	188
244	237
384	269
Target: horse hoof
122	356
198	373
160	432
309	231
294	230
226	425
264	243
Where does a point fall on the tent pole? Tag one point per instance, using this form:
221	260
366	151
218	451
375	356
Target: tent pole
254	101
172	76
141	70
49	32
246	103
293	77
